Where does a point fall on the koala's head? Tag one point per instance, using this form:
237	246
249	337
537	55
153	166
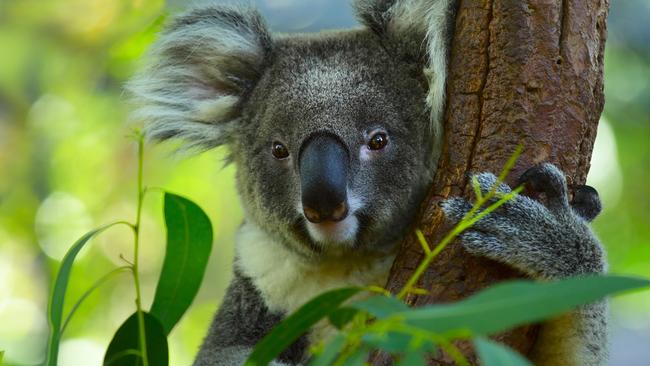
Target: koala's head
330	133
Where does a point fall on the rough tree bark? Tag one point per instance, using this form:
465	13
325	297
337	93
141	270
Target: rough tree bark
524	72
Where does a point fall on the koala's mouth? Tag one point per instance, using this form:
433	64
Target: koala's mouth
342	232
328	237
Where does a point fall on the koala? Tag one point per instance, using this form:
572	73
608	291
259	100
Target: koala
335	137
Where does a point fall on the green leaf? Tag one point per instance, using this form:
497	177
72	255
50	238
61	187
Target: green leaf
296	324
514	303
330	352
189	242
342	316
392	342
358	357
414	358
90	290
2	356
124	349
494	354
57	299
381	306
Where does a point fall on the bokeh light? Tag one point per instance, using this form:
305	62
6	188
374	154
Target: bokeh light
81	352
23	332
605	171
61	219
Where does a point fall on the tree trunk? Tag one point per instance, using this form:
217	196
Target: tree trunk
524	72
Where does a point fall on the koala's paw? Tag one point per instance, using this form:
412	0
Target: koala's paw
586	202
548	180
547	241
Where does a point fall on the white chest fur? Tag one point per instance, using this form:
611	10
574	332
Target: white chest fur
286	280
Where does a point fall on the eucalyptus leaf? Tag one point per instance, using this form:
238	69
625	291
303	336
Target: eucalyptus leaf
189	242
342	316
514	303
124	349
413	358
330	352
381	306
358	357
392	342
296	324
57	298
494	354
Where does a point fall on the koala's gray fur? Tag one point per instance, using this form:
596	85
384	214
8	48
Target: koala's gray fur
218	77
546	242
244	320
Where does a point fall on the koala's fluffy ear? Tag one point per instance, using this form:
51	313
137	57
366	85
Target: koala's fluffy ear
422	30
201	68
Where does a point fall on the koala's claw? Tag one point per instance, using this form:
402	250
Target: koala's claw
548	179
586	202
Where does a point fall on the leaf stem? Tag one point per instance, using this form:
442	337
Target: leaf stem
465	223
90	290
57	298
136	247
426	262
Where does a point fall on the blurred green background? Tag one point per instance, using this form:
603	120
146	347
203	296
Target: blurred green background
67	165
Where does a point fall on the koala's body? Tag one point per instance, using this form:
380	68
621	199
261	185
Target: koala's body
335	137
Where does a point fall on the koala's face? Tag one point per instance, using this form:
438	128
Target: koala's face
330	133
333	150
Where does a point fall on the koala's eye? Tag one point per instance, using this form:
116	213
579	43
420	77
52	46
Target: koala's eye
378	141
279	151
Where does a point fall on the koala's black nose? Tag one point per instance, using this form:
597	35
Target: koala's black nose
324	164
